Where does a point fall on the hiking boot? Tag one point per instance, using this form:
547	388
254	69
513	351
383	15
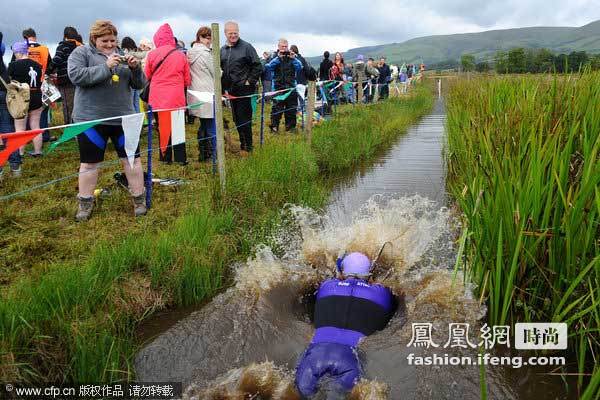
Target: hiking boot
86	204
139	204
16	171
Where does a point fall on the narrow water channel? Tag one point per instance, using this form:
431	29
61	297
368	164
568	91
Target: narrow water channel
249	338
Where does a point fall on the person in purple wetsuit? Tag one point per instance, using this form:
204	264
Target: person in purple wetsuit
347	309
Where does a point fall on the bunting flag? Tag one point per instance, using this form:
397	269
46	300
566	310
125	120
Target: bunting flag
177	127
285	95
132	128
171	124
71	131
164	129
203	97
301	89
14	141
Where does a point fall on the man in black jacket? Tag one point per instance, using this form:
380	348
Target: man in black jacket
285	67
325	66
385	77
241	71
65	87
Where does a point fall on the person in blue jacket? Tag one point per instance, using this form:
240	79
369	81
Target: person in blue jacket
348	308
284	66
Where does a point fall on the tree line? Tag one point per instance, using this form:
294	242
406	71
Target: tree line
524	60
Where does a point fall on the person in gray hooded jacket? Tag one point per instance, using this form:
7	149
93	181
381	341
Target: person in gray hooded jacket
104	80
361	74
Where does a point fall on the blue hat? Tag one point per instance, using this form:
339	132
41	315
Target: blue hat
360	57
356	264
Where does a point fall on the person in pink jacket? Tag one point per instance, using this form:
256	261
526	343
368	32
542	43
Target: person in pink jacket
168	84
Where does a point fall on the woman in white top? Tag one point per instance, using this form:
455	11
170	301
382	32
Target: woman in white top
201	68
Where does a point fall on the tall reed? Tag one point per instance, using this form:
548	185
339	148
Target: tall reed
523	165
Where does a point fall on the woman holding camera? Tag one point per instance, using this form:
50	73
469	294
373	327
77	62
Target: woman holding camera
103	81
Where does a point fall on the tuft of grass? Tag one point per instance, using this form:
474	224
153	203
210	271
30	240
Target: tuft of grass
523	164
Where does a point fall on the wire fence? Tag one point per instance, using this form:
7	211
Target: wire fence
325	99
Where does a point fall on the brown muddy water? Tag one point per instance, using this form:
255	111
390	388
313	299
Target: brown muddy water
246	342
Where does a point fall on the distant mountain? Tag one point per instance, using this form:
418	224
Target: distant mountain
435	49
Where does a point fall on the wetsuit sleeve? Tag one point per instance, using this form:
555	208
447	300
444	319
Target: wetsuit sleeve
82	75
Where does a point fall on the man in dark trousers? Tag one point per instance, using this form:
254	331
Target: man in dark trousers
385	77
241	71
285	66
66	88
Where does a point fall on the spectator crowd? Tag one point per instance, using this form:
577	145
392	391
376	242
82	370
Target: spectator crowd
104	79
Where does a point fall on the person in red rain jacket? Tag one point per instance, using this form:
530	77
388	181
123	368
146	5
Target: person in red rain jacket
168	83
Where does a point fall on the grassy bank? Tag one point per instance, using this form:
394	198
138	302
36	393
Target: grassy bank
523	164
72	316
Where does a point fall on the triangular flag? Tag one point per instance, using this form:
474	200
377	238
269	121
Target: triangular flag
285	95
132	127
204	97
14	141
71	131
164	129
301	89
177	127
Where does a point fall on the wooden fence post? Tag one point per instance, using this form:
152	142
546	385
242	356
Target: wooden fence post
216	53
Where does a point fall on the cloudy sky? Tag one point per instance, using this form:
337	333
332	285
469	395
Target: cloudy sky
313	25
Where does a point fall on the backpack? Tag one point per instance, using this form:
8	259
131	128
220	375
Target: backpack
17	98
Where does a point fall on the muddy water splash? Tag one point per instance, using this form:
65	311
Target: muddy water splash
248	339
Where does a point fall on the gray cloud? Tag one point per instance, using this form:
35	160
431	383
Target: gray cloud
360	22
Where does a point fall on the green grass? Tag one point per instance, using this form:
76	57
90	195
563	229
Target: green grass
73	294
358	136
523	164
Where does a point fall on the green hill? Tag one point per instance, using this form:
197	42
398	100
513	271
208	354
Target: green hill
434	49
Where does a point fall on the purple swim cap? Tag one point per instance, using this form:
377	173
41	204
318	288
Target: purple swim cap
356	264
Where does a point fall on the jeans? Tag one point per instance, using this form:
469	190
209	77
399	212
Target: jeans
384	90
7	125
44	123
136	100
206	131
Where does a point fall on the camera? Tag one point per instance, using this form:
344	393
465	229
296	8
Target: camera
284	53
